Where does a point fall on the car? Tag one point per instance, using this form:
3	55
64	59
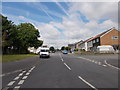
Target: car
44	52
65	52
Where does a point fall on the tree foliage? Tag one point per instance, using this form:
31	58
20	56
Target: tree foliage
52	48
17	38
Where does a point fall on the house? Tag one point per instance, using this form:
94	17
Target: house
109	37
75	45
72	46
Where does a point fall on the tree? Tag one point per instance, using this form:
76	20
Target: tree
7	27
62	48
67	48
28	36
52	48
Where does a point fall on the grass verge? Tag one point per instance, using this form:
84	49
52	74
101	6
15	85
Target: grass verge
11	58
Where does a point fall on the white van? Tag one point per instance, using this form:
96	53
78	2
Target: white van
105	49
44	52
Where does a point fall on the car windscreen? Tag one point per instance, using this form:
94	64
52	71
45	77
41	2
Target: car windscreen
44	50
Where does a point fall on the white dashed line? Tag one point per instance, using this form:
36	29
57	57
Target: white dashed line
27	73
24	77
104	65
62	60
10	73
11	83
20	74
99	63
67	66
111	65
87	83
21	82
16	87
16	78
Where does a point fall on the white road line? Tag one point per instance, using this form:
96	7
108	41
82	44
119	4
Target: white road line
10	73
112	65
11	83
99	63
27	73
16	78
104	65
24	77
67	66
21	82
87	83
62	60
20	74
96	62
16	87
23	71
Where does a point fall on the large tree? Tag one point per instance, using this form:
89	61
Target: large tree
7	28
17	38
28	36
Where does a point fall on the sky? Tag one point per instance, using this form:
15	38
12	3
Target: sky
63	23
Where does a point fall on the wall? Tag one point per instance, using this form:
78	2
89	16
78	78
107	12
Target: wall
107	38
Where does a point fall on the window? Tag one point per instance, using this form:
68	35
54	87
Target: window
115	37
97	40
93	41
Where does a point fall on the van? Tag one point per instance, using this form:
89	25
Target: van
44	52
105	49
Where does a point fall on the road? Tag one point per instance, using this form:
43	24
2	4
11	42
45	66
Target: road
62	71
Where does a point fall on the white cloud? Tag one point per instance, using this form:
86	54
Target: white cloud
72	26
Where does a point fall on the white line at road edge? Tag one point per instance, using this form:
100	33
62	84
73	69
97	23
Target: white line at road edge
67	66
11	73
87	83
111	65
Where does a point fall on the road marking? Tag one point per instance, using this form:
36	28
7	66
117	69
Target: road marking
62	60
16	87
87	83
67	66
11	83
96	62
104	65
111	65
10	73
23	71
24	77
27	73
99	63
16	78
20	74
21	82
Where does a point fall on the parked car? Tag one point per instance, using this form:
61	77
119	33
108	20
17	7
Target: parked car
65	52
44	52
105	49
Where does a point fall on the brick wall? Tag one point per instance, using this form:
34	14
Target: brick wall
107	39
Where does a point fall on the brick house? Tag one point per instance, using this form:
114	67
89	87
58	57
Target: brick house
109	37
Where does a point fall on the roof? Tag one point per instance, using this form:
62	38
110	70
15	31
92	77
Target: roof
99	35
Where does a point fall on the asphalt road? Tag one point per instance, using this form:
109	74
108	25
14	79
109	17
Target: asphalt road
62	71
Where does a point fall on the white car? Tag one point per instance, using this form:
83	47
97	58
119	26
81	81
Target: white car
44	52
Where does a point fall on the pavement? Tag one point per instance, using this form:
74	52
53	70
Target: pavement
62	71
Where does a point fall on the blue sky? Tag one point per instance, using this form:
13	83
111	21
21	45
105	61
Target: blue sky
61	23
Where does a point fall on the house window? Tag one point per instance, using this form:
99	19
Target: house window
97	40
115	37
93	41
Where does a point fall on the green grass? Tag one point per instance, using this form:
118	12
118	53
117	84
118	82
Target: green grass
11	58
